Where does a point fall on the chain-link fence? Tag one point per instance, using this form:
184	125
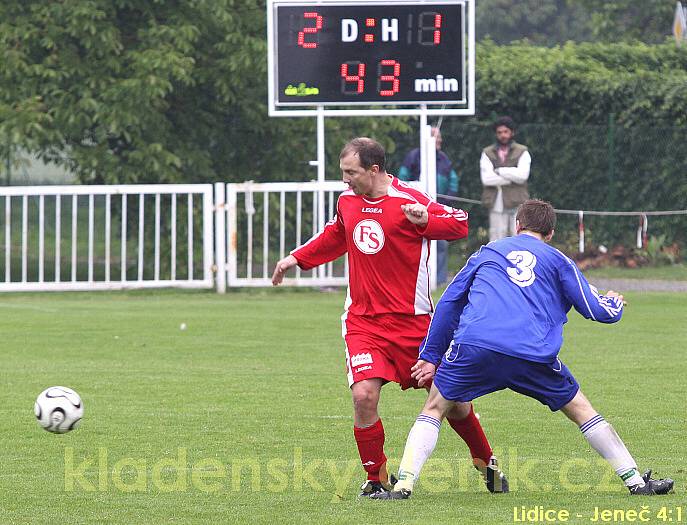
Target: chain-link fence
579	167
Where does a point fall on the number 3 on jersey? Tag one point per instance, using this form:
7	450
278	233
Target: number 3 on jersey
523	272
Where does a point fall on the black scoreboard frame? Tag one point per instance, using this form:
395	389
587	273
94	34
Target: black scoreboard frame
382	87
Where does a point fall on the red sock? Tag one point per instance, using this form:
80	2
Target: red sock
471	431
370	442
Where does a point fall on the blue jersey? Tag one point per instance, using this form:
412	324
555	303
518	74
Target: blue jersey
512	297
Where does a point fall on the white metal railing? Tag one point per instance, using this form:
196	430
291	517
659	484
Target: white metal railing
166	235
642	228
264	222
35	257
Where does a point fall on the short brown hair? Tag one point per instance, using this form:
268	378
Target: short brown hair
536	216
369	152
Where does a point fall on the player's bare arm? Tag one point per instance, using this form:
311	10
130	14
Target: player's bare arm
423	372
281	268
416	213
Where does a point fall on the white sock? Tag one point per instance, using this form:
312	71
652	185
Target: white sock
419	446
608	444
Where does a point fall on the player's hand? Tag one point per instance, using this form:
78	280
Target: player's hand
416	213
281	268
611	293
423	372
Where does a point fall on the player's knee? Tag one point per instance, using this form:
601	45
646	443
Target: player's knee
431	404
365	398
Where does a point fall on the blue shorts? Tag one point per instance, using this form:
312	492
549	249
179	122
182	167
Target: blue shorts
468	372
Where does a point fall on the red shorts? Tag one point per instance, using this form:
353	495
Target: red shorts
383	346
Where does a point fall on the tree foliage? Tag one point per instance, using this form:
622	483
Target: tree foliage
551	22
648	21
543	22
584	83
605	124
150	90
145	90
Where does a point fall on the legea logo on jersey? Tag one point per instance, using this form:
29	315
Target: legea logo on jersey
368	236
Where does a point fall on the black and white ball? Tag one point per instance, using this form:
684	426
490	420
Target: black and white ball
58	409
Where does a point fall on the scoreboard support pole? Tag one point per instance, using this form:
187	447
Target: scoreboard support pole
428	179
321	164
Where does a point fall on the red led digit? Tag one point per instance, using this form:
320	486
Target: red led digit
310	30
393	78
429	28
359	82
437	29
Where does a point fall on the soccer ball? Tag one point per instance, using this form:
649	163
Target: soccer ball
58	409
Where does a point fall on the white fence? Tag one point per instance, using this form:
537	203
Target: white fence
102	237
264	222
169	235
642	227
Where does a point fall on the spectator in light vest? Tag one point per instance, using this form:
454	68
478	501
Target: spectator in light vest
504	169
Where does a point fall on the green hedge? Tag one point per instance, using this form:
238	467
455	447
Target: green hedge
584	83
605	124
589	167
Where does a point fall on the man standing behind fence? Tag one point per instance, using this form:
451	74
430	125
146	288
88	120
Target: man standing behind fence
504	169
447	184
385	227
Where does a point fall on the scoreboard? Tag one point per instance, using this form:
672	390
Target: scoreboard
341	52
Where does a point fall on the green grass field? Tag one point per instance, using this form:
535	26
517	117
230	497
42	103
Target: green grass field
245	416
673	272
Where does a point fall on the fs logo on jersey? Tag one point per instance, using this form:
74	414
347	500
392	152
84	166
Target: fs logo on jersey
368	236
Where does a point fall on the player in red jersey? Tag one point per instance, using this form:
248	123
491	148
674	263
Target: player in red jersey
385	227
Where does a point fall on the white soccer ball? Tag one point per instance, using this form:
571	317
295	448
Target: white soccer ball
58	409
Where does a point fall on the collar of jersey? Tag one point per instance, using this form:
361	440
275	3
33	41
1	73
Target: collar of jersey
376	201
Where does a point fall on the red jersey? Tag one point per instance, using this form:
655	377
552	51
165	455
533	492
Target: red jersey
388	256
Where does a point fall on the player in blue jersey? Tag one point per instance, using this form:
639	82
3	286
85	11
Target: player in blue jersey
502	319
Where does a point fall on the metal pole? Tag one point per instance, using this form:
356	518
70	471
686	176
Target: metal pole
424	133
220	239
639	233
642	231
320	177
428	182
611	161
231	236
9	165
